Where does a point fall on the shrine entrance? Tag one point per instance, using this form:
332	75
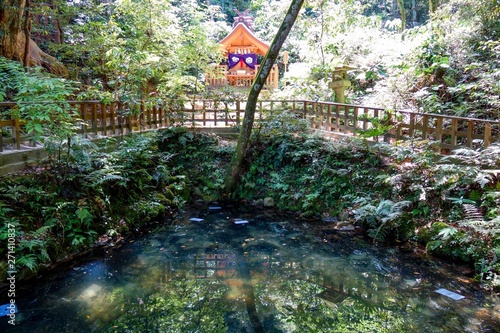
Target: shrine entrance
242	49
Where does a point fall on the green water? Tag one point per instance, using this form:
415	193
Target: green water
269	275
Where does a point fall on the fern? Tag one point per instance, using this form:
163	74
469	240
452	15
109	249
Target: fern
30	244
381	218
103	176
28	260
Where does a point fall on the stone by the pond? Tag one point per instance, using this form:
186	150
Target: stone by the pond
195	219
7	309
344	215
239	221
269	202
450	294
258	203
329	219
344	226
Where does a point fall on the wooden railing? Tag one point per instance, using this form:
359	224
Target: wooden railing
98	119
449	132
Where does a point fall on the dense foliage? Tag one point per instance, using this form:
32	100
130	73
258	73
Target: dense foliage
101	193
422	55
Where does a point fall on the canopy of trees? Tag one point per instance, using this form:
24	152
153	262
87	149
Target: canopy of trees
434	56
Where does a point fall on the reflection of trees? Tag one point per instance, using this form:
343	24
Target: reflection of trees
187	305
204	289
299	295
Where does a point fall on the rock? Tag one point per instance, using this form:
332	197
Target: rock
269	202
200	204
344	215
258	203
329	219
344	226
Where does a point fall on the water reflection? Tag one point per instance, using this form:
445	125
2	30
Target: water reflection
275	276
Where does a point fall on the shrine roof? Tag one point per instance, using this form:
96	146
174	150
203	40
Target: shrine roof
242	36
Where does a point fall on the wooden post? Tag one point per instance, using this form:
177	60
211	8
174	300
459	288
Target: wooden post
238	110
112	115
329	116
227	117
149	117
399	131
487	135
346	120
17	133
470	132
313	118
454	127
365	122
337	117
387	135
215	115
83	114
130	119
439	132
424	126
94	118
142	116
411	129
204	115
104	121
355	121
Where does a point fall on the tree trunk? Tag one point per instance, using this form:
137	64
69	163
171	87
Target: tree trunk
260	80
13	39
414	21
401	7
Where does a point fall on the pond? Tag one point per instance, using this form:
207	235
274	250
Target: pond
226	271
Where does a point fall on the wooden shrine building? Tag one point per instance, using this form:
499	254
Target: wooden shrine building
242	50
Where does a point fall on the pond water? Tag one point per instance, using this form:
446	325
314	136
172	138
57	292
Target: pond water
223	274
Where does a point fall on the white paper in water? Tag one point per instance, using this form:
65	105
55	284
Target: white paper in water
450	294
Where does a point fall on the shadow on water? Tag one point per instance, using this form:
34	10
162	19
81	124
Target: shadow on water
229	271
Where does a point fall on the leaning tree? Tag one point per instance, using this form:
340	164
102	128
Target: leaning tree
15	41
253	95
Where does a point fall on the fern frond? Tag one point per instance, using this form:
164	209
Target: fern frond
29	260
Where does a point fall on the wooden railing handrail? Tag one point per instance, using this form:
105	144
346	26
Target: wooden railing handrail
329	117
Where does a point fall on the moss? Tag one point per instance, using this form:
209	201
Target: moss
163	199
169	195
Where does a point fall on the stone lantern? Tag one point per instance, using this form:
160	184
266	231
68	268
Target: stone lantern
340	82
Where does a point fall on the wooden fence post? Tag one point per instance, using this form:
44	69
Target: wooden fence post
454	128
387	134
112	116
487	135
329	117
83	115
425	121
439	133
104	121
17	135
470	129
